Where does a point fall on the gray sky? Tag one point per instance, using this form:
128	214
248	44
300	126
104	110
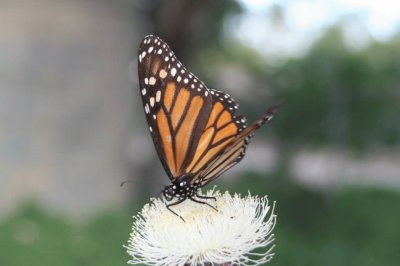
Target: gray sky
298	24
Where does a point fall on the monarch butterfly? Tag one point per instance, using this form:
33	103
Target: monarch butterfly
194	129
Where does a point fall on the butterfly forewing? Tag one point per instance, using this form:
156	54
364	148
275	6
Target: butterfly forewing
176	103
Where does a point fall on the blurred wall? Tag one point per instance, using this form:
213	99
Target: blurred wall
65	101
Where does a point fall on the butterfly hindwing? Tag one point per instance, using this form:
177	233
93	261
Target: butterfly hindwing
233	153
221	129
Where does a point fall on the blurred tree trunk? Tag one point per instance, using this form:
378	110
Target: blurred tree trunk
175	20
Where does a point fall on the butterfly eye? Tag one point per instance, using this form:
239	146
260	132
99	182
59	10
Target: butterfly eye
168	193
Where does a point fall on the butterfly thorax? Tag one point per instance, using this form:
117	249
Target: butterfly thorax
182	188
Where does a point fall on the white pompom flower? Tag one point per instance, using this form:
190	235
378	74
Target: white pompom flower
239	233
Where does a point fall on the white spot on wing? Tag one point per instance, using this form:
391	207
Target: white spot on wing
162	73
152	101
152	80
158	96
150	49
173	72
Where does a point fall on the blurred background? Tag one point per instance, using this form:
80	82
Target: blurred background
72	126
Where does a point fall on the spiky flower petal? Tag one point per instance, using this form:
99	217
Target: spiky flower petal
229	235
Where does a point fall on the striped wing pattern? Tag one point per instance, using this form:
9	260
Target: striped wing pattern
235	152
194	128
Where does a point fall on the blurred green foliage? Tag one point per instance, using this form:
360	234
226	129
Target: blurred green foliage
350	227
33	236
334	95
341	97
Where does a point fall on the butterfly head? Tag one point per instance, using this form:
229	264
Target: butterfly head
169	192
180	189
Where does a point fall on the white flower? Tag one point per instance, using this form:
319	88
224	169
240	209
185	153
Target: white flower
207	236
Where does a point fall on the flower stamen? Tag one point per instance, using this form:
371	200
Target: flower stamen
207	237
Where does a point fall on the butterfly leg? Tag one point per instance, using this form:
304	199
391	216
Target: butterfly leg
205	197
175	203
203	202
152	202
